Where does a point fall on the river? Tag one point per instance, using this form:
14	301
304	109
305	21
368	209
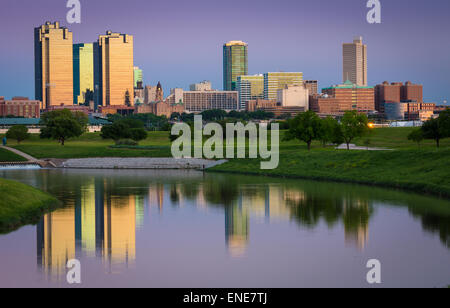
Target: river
137	228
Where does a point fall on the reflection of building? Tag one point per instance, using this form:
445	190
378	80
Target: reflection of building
53	61
356	216
156	196
56	241
98	224
236	229
120	230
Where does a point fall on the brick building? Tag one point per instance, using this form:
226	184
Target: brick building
20	107
397	92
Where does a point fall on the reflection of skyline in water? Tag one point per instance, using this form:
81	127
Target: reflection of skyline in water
101	217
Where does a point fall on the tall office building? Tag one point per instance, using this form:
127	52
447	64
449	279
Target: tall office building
235	63
278	81
250	88
53	62
137	76
83	72
355	62
114	69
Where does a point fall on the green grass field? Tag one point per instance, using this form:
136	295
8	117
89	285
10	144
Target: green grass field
423	169
21	204
8	156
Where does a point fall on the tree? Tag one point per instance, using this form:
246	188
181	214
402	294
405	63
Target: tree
18	132
116	131
416	136
138	134
124	129
353	125
327	130
305	127
63	124
437	129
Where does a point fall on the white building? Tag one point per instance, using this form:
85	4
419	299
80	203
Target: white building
291	96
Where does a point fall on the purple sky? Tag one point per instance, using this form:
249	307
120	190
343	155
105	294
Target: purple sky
179	42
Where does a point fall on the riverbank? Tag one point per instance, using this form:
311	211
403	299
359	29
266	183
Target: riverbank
8	156
422	171
21	204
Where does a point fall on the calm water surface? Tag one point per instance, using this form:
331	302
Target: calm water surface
189	229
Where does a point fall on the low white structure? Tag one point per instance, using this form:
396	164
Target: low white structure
294	96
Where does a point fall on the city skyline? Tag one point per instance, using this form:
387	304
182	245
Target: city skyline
180	57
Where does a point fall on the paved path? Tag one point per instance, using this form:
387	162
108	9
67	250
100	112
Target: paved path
139	163
354	147
20	153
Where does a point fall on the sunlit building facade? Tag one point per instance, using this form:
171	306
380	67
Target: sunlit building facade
355	62
235	63
114	69
138	77
53	62
250	88
83	72
277	81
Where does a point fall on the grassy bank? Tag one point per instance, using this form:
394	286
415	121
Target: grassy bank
21	204
8	156
423	171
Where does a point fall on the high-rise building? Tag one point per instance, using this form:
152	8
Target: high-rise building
137	76
355	62
235	63
113	69
277	81
201	86
83	72
53	62
312	86
250	88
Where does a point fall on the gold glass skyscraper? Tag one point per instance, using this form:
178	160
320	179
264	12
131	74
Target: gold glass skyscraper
278	81
53	61
355	62
114	70
235	63
83	72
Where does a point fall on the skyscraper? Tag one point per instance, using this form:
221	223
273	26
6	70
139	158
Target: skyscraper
235	63
113	69
53	62
278	81
83	72
250	88
355	62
